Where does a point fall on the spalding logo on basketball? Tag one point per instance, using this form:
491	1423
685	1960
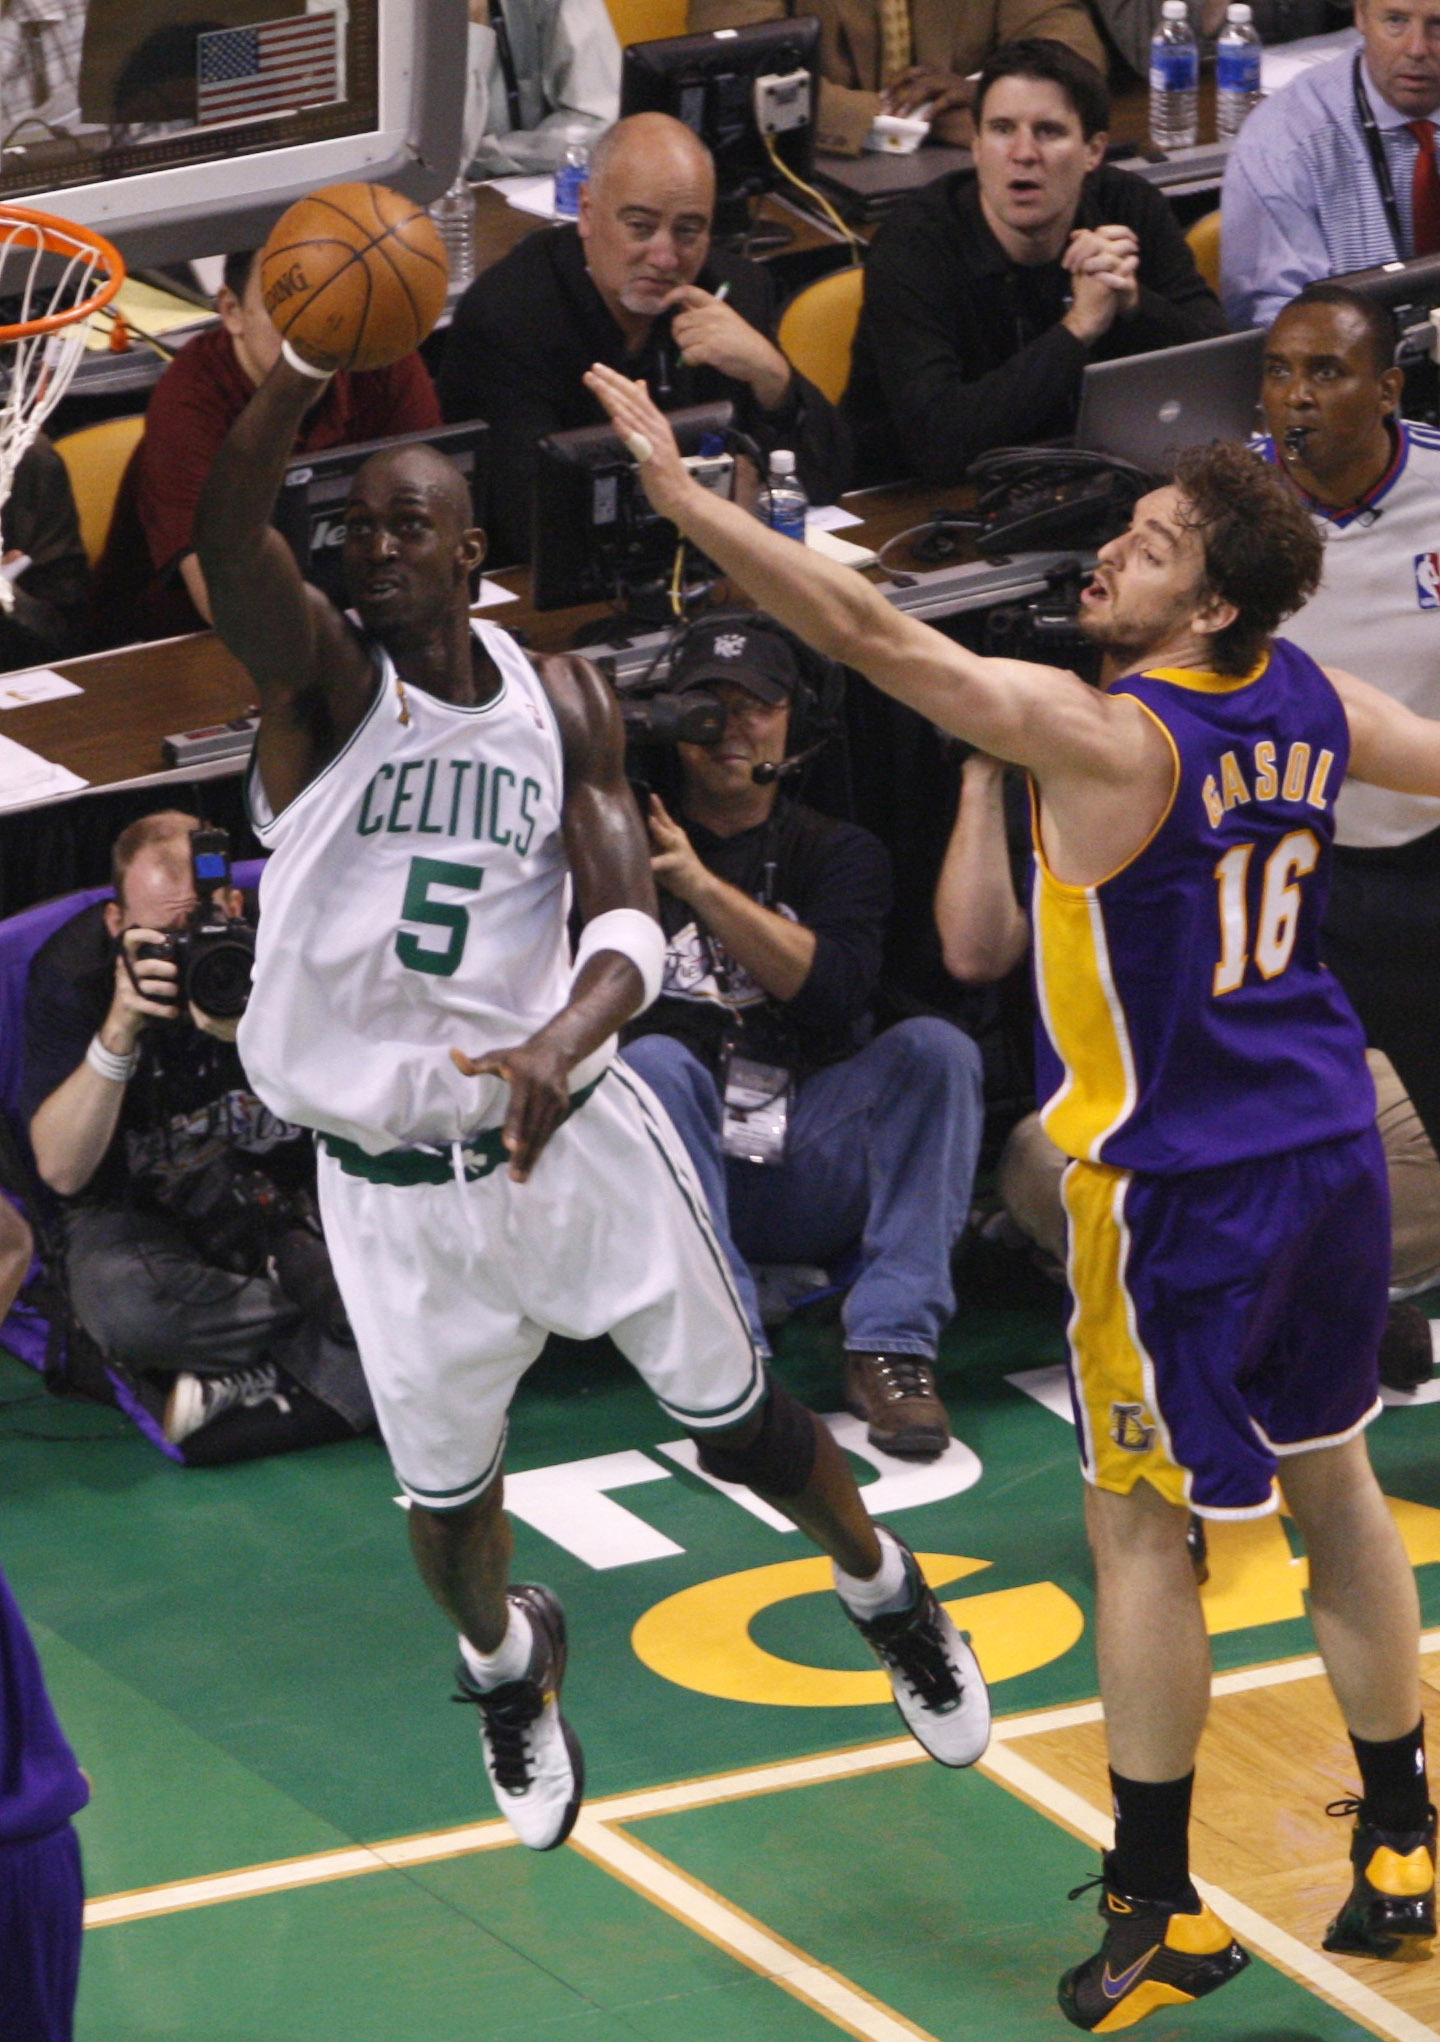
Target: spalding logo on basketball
354	276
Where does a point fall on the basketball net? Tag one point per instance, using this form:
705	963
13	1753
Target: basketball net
53	276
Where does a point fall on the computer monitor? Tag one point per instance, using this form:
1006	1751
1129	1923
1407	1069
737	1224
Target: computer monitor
709	82
310	509
185	127
595	537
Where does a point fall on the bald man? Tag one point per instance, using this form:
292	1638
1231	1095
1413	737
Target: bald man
634	284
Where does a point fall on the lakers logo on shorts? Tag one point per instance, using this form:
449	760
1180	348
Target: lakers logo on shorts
1129	1430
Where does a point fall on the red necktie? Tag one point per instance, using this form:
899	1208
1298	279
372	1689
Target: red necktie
1425	192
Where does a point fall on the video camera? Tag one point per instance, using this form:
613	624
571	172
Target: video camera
214	955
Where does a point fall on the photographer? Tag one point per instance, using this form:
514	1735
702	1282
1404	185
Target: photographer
193	1255
775	918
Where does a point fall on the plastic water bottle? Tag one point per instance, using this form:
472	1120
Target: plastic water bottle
454	216
785	500
573	174
1237	71
1174	79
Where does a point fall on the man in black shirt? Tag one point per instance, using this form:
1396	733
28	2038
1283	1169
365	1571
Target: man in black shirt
987	294
775	917
634	284
191	1253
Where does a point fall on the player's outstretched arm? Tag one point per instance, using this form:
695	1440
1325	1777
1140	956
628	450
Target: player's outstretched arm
1033	716
312	676
610	866
1390	746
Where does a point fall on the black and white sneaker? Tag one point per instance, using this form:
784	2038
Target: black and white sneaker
938	1686
533	1757
195	1401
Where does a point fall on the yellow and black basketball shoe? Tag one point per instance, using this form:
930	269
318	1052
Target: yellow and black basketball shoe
1154	1956
1391	1908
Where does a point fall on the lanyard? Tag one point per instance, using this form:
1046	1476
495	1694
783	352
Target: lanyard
1379	162
507	65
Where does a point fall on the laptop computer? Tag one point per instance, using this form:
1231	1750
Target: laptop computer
1147	407
865	187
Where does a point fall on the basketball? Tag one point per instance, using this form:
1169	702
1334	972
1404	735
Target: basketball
354	276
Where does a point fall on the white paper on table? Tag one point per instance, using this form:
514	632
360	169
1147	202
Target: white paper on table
492	595
844	551
25	776
829	517
36	684
529	194
1280	65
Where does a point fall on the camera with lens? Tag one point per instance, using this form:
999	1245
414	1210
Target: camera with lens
214	955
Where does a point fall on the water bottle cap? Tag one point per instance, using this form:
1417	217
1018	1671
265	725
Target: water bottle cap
1175	10
782	462
1239	13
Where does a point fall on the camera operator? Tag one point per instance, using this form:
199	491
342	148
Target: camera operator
806	1134
193	1254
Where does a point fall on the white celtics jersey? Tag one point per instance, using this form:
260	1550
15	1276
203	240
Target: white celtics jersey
1377	614
415	902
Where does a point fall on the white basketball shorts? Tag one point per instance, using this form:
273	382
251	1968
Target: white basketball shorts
452	1286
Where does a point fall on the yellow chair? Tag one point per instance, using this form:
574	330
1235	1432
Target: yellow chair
817	329
646	21
1204	240
96	458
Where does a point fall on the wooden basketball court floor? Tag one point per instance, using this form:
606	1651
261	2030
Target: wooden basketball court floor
291	1840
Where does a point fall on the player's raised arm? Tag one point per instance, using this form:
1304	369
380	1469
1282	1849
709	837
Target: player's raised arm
622	950
1390	746
1031	715
286	633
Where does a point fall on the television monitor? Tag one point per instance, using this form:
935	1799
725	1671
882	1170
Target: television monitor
595	537
310	509
709	82
185	127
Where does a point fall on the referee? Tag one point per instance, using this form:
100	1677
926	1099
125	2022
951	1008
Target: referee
1331	398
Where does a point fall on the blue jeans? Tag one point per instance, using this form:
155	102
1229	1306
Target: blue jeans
881	1150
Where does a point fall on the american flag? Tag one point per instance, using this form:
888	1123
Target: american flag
246	72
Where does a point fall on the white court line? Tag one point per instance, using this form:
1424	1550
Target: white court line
742	1936
1323	1978
431	1846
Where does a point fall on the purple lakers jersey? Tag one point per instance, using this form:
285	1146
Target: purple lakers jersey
1186	1018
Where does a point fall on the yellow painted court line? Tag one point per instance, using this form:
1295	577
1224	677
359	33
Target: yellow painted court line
741	1936
430	1846
1328	1981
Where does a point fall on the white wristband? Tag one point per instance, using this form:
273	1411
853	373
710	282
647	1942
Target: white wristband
106	1064
636	936
303	368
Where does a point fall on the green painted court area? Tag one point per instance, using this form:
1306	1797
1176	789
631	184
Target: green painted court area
249	1672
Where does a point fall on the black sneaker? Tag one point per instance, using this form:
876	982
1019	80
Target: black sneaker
197	1401
1391	1908
533	1757
938	1686
1153	1956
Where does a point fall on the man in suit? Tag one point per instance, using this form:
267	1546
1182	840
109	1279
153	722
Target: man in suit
905	56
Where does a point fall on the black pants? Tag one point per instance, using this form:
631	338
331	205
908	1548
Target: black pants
149	1300
1382	941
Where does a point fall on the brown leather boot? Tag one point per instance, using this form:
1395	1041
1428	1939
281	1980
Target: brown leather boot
896	1395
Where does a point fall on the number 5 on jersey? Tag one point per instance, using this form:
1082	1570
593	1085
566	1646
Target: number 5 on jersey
1293	857
450	915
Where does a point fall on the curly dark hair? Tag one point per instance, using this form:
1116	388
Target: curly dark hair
1262	552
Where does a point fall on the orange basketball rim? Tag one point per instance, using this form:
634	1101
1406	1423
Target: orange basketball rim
54	275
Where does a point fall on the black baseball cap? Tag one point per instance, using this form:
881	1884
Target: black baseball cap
760	660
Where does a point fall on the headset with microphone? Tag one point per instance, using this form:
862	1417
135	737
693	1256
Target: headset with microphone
815	699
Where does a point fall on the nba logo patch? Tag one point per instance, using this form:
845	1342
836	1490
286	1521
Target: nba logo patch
1129	1430
1427	580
